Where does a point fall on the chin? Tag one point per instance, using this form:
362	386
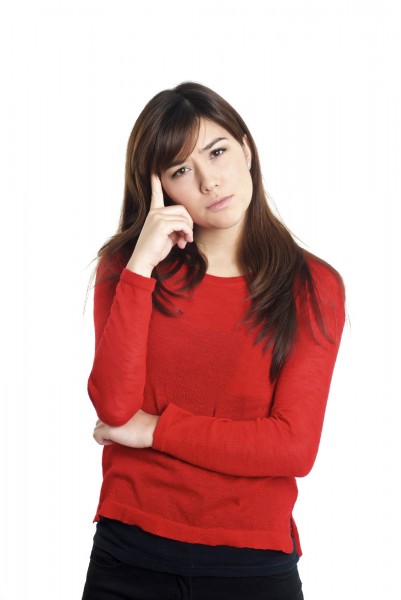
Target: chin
227	223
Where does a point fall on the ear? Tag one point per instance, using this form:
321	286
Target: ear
246	148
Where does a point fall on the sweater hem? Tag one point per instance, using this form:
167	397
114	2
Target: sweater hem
212	536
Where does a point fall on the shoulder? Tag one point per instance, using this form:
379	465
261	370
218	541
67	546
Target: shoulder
323	300
328	282
109	267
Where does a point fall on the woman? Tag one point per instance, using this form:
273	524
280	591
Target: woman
216	337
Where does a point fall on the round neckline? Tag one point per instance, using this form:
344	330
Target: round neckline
221	279
224	277
211	280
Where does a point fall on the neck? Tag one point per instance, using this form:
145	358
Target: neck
219	246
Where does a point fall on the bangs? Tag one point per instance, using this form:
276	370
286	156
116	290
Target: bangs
176	139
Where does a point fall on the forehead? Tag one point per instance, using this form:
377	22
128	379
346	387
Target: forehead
208	131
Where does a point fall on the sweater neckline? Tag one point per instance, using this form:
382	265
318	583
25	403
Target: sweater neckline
212	281
219	280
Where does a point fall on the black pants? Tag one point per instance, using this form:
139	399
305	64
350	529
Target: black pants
110	579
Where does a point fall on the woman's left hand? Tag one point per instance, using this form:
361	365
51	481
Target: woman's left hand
136	433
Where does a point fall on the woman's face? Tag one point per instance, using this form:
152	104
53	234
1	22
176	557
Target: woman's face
217	168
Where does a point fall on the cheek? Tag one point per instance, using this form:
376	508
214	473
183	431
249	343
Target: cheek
242	177
172	191
170	194
249	182
177	194
246	185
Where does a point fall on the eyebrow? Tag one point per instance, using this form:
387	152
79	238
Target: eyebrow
212	143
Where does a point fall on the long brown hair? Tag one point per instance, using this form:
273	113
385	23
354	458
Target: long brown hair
267	253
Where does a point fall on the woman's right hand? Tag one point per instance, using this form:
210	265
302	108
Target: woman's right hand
164	227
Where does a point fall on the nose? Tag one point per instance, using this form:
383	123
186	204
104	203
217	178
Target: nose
208	179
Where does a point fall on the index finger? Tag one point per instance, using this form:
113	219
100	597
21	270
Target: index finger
157	198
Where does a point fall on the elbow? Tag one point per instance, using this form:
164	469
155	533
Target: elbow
303	470
108	410
301	462
114	419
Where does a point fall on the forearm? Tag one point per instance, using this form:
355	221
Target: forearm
277	446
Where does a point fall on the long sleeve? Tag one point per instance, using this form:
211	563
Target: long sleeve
122	310
284	443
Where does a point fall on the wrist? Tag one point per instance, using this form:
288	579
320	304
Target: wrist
154	419
143	270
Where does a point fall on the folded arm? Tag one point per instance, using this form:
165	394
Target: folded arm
286	442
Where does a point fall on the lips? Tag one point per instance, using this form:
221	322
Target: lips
218	200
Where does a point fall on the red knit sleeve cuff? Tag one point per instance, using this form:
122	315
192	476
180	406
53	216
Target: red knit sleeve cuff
160	434
147	283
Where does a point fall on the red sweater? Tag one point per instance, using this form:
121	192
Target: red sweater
229	444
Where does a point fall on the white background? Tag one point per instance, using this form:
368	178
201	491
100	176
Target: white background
318	84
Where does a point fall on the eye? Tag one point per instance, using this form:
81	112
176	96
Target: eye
179	173
219	150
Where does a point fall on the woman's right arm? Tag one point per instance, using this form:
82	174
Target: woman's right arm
122	311
121	315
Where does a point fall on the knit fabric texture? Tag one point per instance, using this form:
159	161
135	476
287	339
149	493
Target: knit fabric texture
229	444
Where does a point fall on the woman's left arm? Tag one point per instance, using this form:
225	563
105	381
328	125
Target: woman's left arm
286	442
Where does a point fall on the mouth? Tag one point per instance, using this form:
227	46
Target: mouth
219	201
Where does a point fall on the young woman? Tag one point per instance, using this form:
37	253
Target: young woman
216	337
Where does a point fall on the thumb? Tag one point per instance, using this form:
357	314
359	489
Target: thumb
157	198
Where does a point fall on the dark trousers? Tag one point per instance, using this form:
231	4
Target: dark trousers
110	579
